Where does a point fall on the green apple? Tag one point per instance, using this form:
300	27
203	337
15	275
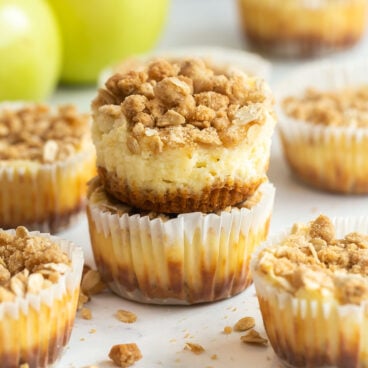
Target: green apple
97	33
30	51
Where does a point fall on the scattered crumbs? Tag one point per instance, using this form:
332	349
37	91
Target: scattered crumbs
172	340
314	210
194	348
177	360
86	313
188	336
125	316
244	324
228	330
92	366
214	356
253	337
125	355
92	331
82	339
234	309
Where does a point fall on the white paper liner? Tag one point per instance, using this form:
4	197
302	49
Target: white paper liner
34	194
326	157
250	63
210	252
38	326
313	332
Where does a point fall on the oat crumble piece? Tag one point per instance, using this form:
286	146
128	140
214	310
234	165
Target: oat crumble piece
38	133
28	263
184	101
86	313
312	258
244	324
194	348
345	107
228	330
253	337
126	316
125	355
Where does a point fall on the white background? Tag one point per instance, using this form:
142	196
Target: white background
162	331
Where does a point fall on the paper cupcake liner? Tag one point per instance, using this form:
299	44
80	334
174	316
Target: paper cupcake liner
302	28
329	158
34	329
45	197
311	332
192	258
250	63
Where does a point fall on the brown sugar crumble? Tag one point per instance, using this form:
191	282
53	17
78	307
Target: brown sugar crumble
125	355
194	348
244	324
126	316
311	258
36	132
347	107
28	263
253	337
178	102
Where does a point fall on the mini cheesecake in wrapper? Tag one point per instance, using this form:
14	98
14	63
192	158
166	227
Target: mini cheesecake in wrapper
302	28
324	125
182	259
312	288
36	321
46	159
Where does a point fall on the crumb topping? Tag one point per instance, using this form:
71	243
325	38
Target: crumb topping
107	203
312	259
347	107
125	355
28	264
175	103
37	133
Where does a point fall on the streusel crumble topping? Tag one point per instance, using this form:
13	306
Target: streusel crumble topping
311	258
37	133
182	102
28	263
347	107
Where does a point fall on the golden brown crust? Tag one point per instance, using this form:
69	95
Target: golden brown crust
312	257
35	132
221	195
341	108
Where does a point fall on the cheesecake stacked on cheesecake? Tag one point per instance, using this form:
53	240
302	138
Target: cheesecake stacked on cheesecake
182	195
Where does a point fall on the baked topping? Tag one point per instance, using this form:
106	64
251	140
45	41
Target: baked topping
37	133
98	196
28	264
347	107
312	260
125	355
180	102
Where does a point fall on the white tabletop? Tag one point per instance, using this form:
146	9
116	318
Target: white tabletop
162	331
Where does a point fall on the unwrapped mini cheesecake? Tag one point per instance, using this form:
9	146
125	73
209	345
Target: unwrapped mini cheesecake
312	287
176	259
182	136
46	159
39	288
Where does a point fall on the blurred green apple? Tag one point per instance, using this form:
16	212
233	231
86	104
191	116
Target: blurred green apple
29	50
97	33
